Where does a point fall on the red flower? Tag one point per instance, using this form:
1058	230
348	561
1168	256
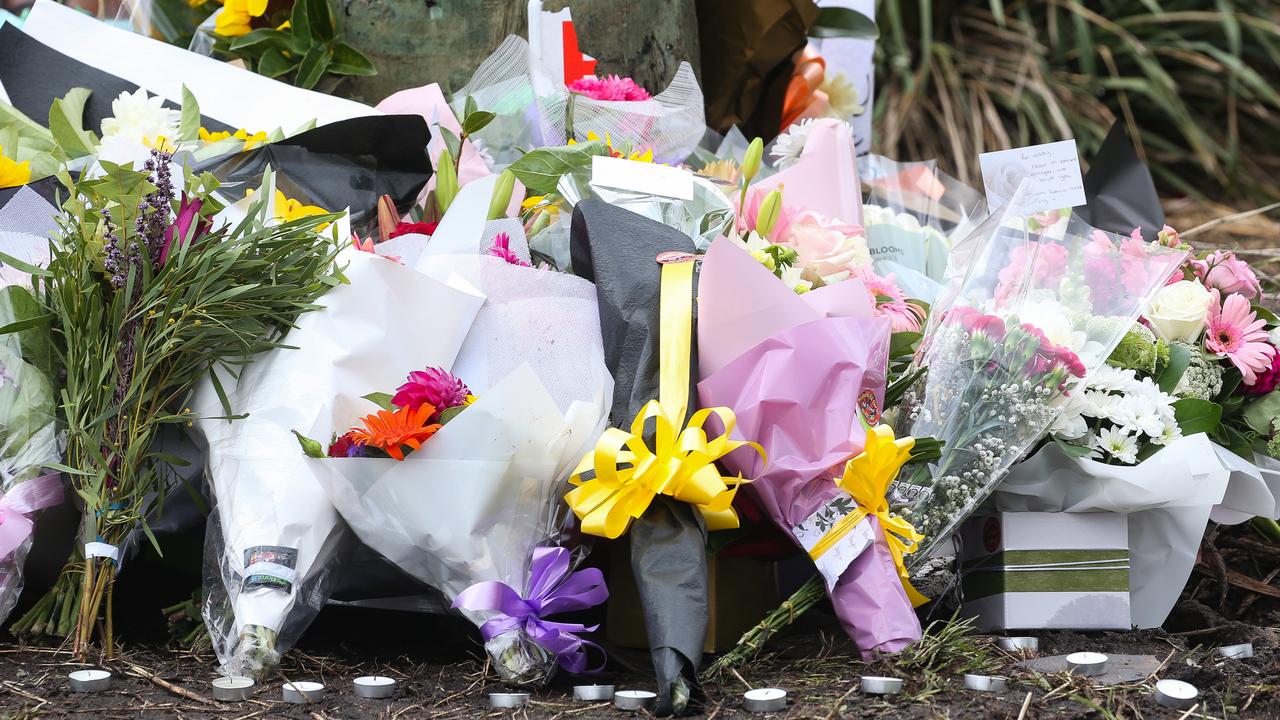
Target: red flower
416	228
345	447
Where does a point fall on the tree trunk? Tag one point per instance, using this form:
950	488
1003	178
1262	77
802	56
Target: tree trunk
415	42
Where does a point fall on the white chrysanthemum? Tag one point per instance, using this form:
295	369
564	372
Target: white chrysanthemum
1117	443
788	147
141	118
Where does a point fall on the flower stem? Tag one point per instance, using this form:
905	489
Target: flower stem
809	594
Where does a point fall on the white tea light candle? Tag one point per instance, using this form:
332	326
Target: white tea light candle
985	683
84	681
232	688
1236	652
1018	644
374	686
634	700
593	693
1088	664
765	700
1176	694
873	685
302	692
508	701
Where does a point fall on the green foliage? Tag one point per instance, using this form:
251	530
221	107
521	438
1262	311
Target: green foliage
1193	82
303	51
540	170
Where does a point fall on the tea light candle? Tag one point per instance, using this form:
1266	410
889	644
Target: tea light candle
375	686
873	685
1088	664
1236	652
232	688
985	683
303	692
508	701
593	693
1018	644
1176	694
765	700
634	700
83	681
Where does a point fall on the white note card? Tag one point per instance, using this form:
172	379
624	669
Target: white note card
1049	173
641	177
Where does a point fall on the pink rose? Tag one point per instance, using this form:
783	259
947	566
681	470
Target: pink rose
1228	273
825	246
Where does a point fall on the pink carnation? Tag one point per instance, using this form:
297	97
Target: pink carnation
432	386
1266	380
609	87
1228	273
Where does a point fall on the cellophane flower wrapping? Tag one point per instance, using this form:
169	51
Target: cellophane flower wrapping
274	532
1168	499
915	216
484	491
1035	312
800	372
534	110
29	437
617	250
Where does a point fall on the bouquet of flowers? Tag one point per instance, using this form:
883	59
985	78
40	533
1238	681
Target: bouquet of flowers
270	507
1039	309
533	110
805	376
29	441
471	511
145	291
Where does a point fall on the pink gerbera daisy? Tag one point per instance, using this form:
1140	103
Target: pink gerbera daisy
891	302
502	250
1235	332
609	87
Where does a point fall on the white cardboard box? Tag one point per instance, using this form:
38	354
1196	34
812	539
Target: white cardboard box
1046	571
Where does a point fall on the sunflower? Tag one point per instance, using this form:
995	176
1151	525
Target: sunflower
387	430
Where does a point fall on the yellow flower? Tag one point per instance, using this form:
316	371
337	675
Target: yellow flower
161	143
236	16
289	209
250	141
646	156
12	172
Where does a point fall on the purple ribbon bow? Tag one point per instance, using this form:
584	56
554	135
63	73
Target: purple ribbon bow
17	505
552	589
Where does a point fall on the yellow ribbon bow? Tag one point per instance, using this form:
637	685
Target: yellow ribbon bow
628	473
866	478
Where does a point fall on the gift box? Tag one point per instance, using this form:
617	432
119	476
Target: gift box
740	591
1046	571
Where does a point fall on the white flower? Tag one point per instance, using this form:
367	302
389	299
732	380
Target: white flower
1117	443
1177	312
1171	432
1054	321
843	96
792	277
1070	424
789	145
1004	181
1274	337
140	118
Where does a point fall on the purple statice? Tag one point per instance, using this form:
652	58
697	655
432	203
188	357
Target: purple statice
153	211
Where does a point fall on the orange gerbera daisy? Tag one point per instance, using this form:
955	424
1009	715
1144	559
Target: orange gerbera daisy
387	430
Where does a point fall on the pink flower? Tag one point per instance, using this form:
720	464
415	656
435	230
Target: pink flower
976	322
1267	380
825	246
1228	273
609	87
432	386
502	249
1043	262
369	247
891	302
1234	331
747	215
188	213
1169	237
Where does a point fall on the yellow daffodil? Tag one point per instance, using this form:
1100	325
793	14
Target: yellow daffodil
236	16
12	172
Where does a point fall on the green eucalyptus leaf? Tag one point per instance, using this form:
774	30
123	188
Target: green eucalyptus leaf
539	170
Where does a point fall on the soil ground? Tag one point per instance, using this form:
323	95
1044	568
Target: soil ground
442	674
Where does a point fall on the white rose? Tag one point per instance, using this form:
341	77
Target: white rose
1177	311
